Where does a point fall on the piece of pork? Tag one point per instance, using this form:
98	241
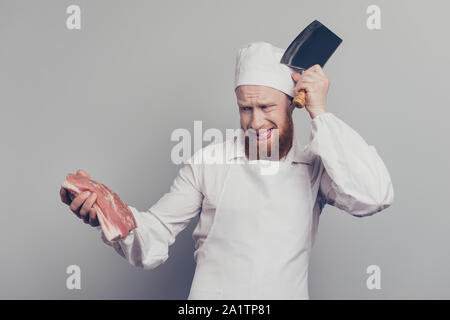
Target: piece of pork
114	216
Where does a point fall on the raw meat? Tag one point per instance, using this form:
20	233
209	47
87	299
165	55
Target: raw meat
114	216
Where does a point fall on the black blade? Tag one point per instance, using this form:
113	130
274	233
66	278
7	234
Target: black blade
314	45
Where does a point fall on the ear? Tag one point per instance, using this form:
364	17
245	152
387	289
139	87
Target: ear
291	107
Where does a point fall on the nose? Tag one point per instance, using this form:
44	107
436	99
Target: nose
258	119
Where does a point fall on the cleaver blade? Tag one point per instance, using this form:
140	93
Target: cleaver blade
314	45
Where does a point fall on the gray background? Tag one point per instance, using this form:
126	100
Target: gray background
107	97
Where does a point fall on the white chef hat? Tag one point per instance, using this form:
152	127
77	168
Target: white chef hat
259	64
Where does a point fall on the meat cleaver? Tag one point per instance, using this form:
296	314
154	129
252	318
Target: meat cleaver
314	45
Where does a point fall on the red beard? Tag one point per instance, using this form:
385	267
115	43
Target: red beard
264	148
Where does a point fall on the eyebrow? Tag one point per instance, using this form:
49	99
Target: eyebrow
267	104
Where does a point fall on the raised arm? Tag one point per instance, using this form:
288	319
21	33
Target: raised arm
354	178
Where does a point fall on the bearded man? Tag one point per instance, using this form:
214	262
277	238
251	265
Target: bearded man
256	231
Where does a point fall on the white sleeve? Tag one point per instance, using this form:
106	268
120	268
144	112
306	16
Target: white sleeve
147	245
354	178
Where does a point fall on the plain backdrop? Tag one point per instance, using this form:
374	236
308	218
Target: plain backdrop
106	99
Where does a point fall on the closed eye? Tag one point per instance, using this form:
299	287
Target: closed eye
267	107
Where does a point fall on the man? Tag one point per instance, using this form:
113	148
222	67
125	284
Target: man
255	232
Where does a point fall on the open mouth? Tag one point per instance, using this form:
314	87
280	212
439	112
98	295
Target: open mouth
261	135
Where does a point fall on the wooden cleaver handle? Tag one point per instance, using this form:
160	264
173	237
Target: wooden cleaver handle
300	99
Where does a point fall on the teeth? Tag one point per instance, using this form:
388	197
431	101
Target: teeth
260	134
265	133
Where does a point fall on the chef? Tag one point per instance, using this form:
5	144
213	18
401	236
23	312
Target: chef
255	231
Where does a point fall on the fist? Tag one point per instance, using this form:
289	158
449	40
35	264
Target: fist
82	204
315	82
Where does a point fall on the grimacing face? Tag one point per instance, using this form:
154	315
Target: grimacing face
261	110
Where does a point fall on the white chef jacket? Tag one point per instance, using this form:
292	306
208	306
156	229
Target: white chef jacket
345	172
